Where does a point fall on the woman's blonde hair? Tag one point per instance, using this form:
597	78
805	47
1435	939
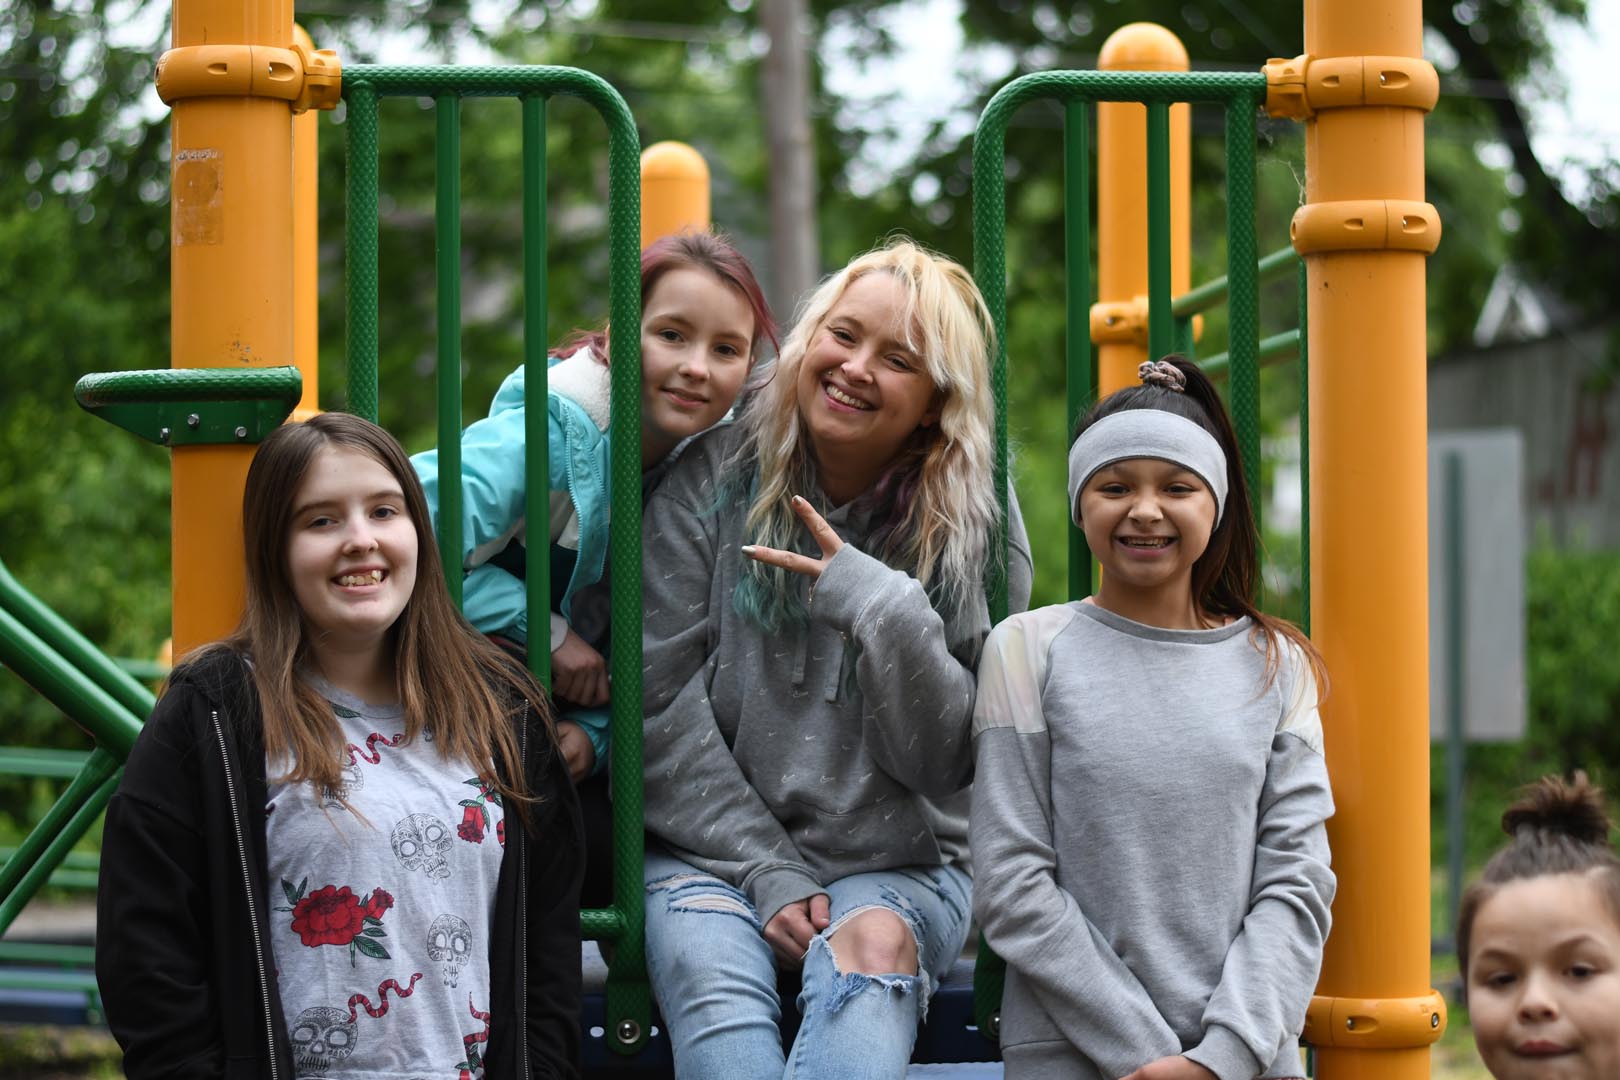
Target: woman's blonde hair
938	502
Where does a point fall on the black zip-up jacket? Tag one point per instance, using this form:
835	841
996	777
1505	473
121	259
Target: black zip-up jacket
182	952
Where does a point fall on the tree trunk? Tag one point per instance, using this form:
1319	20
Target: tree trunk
785	89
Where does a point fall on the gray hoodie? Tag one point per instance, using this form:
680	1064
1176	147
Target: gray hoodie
1149	818
781	762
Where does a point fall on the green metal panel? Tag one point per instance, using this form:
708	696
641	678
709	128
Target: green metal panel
628	999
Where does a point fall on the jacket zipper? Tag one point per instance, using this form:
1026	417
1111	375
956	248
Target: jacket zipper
523	906
247	884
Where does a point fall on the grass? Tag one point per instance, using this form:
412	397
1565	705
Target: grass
58	1053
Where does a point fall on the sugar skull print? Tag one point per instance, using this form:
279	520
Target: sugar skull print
422	842
449	943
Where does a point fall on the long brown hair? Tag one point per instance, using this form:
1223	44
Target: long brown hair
1557	827
453	683
1225	576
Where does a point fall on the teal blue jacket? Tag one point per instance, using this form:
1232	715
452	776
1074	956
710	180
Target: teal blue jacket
493	471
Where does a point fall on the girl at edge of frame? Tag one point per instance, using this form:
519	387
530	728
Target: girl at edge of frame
1538	940
704	324
282	888
812	621
1150	797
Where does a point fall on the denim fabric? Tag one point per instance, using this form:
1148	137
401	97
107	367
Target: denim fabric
715	978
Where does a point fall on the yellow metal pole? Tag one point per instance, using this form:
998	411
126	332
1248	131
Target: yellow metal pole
1119	320
1365	232
231	278
674	191
306	250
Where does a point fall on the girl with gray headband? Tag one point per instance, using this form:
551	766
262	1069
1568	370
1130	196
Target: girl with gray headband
1150	799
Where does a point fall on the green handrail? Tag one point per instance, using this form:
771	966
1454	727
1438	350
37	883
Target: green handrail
1212	293
1273	350
628	998
1241	94
34	761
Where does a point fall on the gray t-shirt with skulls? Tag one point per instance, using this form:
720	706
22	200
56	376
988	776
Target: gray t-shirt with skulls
381	913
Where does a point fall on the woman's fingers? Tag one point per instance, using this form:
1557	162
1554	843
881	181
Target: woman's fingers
787	560
824	533
789	932
826	538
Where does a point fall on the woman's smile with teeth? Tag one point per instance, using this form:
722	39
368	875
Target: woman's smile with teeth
369	577
1146	541
845	399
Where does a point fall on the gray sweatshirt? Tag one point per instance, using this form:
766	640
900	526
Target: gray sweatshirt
1149	829
783	762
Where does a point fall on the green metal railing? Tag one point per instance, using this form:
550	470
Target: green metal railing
628	999
96	695
1241	94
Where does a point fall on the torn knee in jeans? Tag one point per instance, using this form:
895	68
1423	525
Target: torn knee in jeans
846	986
704	893
877	939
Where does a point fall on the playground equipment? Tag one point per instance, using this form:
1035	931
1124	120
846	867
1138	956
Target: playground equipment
1361	90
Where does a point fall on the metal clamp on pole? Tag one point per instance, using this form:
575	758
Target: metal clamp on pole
305	78
1120	322
1376	1023
1366	225
1299	86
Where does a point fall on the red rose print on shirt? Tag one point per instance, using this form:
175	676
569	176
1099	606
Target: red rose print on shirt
471	828
475	815
329	916
336	916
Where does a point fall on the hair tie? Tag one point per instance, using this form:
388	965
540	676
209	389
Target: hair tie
1163	374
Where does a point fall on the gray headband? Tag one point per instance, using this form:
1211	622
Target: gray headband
1147	433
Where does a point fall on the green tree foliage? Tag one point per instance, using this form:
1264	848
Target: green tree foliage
1572	619
83	249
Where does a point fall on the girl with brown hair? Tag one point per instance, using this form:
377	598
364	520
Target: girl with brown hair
1538	940
345	838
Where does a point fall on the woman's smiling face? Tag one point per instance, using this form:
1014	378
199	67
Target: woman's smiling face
1544	981
862	390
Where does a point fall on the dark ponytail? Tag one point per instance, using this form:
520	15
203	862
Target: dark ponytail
1226	577
1557	827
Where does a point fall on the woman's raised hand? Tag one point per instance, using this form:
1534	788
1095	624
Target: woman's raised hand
829	541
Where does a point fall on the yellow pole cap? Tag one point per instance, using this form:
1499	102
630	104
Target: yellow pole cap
1142	46
674	191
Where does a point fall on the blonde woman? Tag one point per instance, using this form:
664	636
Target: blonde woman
812	625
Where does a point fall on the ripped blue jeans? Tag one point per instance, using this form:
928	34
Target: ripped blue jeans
714	976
